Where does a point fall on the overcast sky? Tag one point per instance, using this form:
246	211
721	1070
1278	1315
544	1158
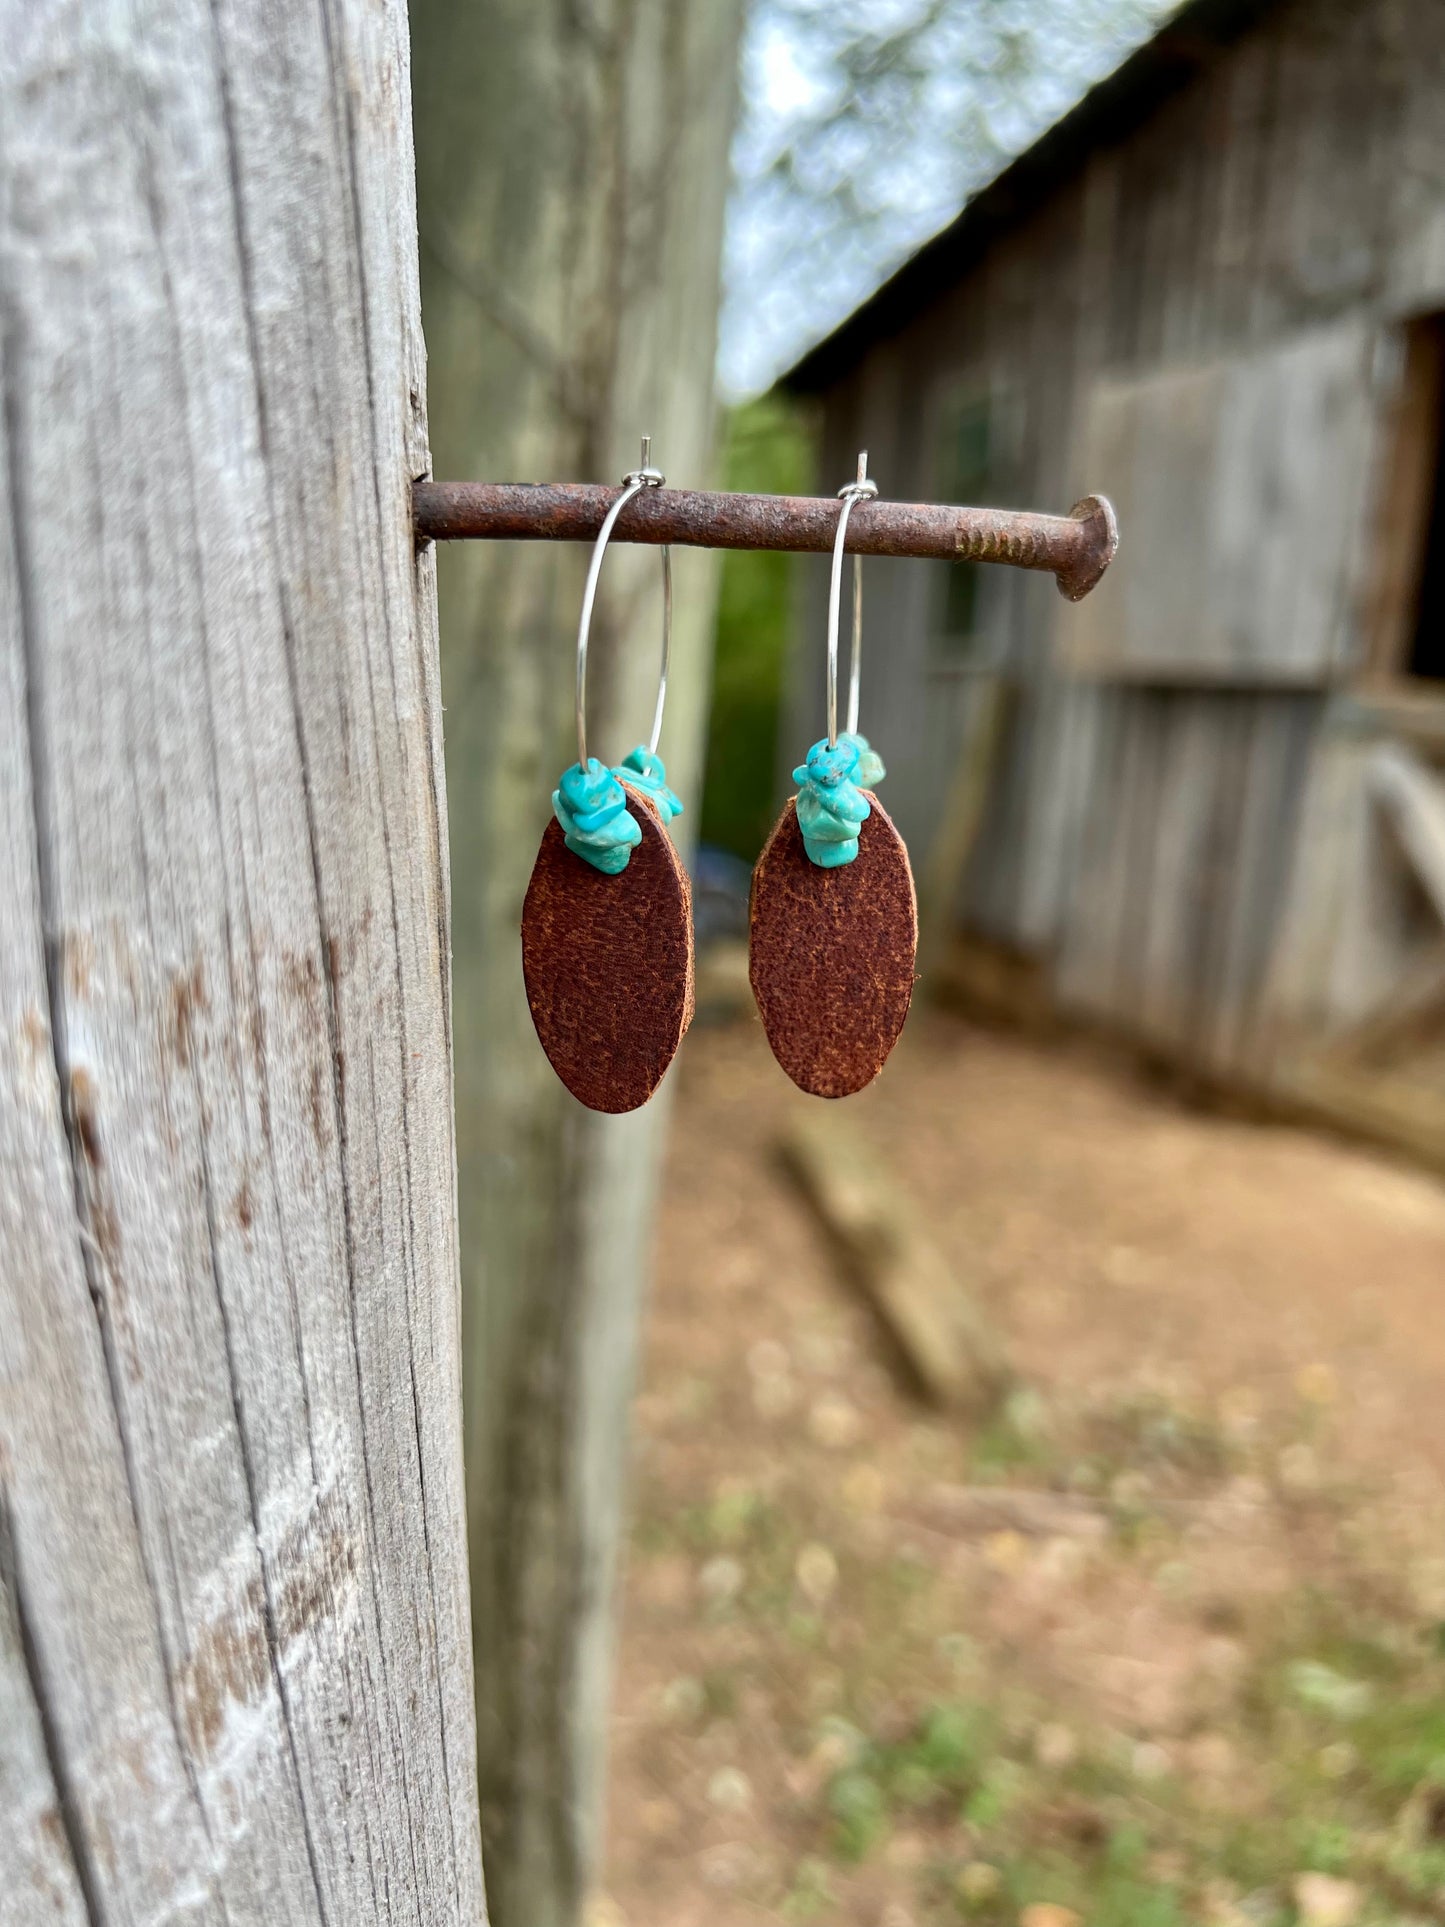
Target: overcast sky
836	184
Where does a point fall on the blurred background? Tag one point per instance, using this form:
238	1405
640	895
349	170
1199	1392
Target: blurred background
1014	1496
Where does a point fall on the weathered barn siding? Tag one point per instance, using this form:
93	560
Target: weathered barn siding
1244	256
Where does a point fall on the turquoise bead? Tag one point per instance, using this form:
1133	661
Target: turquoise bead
870	764
831	806
591	806
643	769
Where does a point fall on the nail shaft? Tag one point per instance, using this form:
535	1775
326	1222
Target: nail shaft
1075	548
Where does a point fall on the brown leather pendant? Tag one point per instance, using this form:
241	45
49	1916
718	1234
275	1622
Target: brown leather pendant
608	964
831	953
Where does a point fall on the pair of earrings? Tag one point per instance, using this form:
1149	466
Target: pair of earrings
833	921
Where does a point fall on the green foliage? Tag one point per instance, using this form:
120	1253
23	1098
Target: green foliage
1090	1838
1147	1431
1016	1437
720	1694
1127	1902
1328	1846
860	1813
952	1742
1323	1690
890	116
931	1770
942	1768
767	453
811	1893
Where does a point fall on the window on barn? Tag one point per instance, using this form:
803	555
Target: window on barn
963	474
975	462
1426	354
1407	607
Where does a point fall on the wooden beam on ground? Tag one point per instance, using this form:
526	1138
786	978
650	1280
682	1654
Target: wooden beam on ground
1413	798
953	1354
1411	1011
1386	1110
969	1511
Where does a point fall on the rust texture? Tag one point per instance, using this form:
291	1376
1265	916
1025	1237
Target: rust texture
608	964
1075	548
831	954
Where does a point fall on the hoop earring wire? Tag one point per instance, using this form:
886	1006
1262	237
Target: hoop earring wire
833	914
861	490
608	968
634	483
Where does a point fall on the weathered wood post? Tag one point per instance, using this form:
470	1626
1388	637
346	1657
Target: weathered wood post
572	177
235	1670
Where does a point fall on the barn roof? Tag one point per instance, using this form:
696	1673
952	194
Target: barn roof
1183	46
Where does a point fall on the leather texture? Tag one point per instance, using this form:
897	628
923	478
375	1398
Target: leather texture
831	953
608	964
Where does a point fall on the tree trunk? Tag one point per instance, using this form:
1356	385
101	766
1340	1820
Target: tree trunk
235	1676
572	169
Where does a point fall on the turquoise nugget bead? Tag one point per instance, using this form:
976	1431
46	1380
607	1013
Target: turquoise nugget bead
591	806
831	807
870	764
643	769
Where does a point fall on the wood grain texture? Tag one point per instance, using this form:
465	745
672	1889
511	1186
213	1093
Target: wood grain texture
572	171
831	954
1244	483
234	1642
607	961
1179	897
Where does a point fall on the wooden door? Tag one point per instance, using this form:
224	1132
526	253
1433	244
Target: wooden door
1246	487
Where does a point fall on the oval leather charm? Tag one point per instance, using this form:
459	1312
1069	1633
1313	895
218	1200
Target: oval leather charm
831	953
608	964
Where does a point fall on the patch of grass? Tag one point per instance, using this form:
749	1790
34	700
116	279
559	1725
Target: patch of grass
860	1813
1415	1874
1016	1437
1350	1716
719	1695
811	1892
1115	1889
1334	1703
805	1629
941	1770
733	1515
1151	1433
1324	1846
739	1521
1349	1783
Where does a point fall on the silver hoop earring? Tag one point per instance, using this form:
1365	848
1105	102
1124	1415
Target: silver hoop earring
870	767
584	788
833	932
607	919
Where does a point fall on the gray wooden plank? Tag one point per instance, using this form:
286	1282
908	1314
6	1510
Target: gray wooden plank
39	1879
1243	485
231	1436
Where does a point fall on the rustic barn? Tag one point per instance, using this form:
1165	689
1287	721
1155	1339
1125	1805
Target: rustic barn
1200	806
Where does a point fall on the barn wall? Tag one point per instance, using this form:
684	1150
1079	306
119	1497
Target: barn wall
1140	833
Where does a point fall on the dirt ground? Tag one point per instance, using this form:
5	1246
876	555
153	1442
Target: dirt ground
1160	1640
